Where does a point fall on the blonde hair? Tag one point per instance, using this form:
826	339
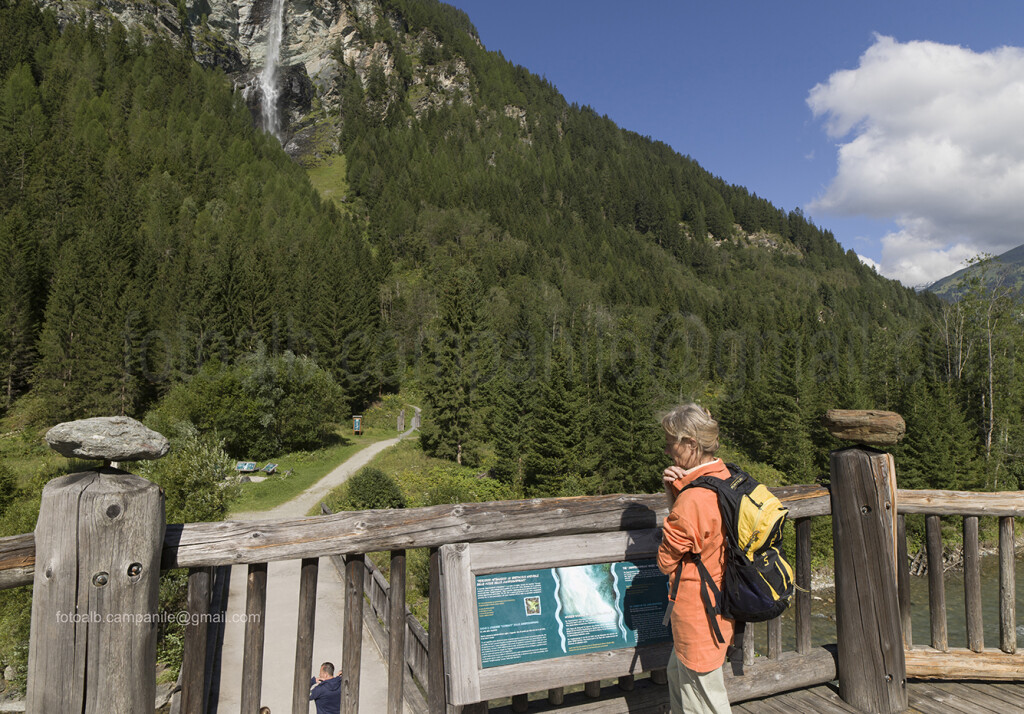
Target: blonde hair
692	421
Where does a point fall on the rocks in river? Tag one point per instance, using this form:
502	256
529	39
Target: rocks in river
107	438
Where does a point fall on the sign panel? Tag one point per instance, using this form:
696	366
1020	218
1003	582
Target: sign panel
533	615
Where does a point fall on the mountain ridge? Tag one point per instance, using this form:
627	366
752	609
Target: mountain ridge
1006	270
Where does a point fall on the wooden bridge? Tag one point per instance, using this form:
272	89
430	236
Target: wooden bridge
101	542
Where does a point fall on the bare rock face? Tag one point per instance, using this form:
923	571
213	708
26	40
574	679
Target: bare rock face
107	438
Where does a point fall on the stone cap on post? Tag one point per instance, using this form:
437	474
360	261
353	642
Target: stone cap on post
111	439
865	426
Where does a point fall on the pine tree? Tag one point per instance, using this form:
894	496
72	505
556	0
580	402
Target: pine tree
449	427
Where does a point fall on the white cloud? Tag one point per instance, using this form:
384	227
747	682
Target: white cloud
929	135
868	262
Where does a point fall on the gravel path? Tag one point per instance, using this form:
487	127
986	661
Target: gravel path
282	613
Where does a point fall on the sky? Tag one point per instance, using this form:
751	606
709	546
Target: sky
896	124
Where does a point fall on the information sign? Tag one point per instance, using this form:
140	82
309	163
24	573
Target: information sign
539	614
531	614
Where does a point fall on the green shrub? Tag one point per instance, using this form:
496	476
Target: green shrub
260	406
192	475
371	488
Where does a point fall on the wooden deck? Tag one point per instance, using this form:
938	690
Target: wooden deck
925	697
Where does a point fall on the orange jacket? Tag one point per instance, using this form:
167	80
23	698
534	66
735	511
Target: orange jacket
695	525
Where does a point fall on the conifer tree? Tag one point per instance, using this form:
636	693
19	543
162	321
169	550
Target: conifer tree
449	430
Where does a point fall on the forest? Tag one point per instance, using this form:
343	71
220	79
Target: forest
545	280
548	279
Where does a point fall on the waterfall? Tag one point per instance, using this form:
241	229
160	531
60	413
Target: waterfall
585	592
268	78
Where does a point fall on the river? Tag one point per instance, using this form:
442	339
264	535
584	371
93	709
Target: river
823	625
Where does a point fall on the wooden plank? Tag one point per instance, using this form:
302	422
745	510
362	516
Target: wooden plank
803	582
215	634
960	503
1009	689
17	558
817	700
99	536
936	585
56	643
748	645
962	663
774	638
396	633
972	585
436	696
949	701
1014	699
255	628
462	637
903	580
520	702
352	634
984	701
193	665
870	638
789	672
763	678
228	542
305	629
539	553
920	699
1007	587
556	695
646	698
234	542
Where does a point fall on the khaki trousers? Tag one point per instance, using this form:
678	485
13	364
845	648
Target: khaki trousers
695	693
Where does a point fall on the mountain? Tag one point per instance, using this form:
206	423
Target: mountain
1006	269
548	279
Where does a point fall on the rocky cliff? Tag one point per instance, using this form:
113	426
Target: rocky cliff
323	43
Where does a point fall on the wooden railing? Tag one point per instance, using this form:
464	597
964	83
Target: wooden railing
939	661
347	537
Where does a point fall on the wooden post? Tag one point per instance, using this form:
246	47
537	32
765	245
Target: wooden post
871	664
803	581
436	696
193	665
396	629
305	629
92	646
972	585
252	644
352	637
936	585
903	580
1007	588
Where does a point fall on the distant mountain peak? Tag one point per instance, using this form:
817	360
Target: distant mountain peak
1006	269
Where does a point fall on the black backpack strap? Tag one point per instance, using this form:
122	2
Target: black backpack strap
711	596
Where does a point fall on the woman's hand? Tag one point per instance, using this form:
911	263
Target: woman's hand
670	475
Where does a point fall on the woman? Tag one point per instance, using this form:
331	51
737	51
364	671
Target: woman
694	526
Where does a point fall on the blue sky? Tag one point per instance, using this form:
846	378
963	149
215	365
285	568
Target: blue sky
917	95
